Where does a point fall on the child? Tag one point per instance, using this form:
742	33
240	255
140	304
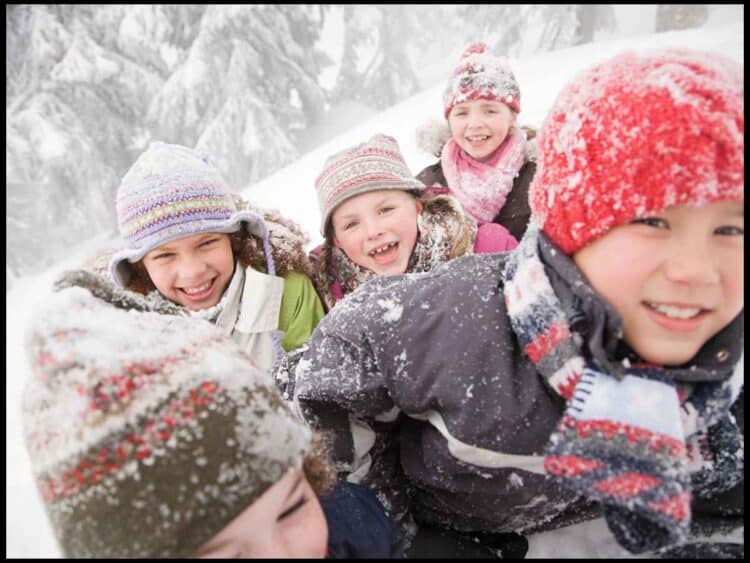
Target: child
151	434
200	247
589	372
485	159
375	221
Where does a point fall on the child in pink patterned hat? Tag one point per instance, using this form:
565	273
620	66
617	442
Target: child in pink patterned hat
485	161
376	219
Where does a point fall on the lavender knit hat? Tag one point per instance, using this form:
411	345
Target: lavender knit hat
480	75
170	192
374	165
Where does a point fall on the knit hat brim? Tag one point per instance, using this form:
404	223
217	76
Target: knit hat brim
374	165
120	266
404	184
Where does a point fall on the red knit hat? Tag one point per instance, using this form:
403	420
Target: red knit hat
637	134
481	76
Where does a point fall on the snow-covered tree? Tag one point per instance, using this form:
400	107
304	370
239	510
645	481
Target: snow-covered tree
378	66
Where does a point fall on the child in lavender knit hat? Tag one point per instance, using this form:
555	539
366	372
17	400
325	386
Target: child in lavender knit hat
485	161
201	247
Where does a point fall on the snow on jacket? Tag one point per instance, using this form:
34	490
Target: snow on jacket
445	232
515	213
431	401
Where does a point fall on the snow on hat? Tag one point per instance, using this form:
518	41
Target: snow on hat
374	165
637	134
146	451
481	76
170	192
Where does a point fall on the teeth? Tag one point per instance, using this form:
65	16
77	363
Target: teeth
383	248
676	312
478	138
198	289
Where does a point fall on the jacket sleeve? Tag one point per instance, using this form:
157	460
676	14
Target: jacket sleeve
341	392
301	310
492	237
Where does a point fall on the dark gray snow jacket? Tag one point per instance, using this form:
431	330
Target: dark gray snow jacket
429	399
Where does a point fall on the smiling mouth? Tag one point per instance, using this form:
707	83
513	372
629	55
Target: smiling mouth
382	249
197	290
674	311
477	138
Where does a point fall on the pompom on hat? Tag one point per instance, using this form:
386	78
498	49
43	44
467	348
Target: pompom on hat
635	135
370	166
170	192
481	75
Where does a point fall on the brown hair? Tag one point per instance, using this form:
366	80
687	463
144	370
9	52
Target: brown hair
318	467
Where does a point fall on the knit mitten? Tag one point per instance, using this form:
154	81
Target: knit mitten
621	443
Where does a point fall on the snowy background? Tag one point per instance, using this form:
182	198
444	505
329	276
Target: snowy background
44	135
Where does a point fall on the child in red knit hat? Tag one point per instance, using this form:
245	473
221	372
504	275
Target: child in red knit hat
485	161
593	372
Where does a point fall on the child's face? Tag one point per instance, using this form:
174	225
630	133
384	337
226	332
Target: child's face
192	271
378	230
479	127
676	278
286	521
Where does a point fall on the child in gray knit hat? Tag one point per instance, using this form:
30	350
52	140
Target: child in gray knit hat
151	434
201	247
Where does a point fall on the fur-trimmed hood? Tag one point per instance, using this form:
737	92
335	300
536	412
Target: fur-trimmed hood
434	133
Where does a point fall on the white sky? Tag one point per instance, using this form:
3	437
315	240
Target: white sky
291	191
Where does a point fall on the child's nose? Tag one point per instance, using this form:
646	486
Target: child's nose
373	228
474	118
192	266
692	263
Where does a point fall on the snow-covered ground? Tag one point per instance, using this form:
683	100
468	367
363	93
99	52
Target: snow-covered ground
291	190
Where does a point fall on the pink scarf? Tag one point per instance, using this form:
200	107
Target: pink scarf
483	187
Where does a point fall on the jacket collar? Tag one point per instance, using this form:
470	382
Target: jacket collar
600	326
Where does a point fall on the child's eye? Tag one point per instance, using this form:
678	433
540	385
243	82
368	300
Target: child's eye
162	256
730	230
292	509
350	225
655	222
386	209
208	242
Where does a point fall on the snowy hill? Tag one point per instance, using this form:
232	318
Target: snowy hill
291	191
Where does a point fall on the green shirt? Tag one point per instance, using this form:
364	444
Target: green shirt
301	310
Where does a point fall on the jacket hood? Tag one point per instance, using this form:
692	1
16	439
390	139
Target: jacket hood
433	134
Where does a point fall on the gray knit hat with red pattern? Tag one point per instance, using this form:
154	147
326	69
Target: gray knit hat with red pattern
374	165
481	75
143	450
170	192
